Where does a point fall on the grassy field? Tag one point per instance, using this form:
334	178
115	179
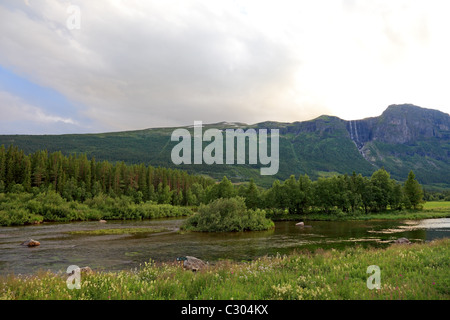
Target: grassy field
437	205
418	271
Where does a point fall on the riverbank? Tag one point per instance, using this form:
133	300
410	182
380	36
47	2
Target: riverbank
417	271
28	209
433	209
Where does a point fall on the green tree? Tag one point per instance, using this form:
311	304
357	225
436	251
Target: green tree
164	194
305	193
275	197
191	198
225	189
252	195
292	193
413	192
381	189
2	162
323	194
177	198
396	196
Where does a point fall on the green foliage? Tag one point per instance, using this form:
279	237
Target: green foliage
76	178
27	208
56	180
413	192
228	214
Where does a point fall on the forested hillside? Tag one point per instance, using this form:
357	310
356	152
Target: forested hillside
403	138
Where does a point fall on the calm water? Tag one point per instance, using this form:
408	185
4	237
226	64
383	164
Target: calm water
59	249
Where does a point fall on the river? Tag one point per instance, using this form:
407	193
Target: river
59	248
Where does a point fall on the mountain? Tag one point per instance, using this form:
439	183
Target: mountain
403	138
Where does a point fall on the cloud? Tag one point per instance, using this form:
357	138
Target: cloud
138	64
18	116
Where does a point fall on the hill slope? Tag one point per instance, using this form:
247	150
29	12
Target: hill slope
404	137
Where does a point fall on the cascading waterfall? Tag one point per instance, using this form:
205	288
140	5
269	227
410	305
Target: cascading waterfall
351	131
356	132
355	138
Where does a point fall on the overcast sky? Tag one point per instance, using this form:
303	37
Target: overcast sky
141	64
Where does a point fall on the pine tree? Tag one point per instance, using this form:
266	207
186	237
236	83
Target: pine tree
2	162
252	195
225	189
27	174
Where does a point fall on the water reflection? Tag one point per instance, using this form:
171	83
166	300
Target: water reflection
59	248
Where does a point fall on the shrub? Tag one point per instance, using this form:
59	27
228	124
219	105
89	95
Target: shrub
228	214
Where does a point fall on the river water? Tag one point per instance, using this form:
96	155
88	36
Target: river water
60	249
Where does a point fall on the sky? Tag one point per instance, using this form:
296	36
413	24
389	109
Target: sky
86	66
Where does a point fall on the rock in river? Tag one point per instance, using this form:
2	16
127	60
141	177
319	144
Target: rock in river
300	224
31	243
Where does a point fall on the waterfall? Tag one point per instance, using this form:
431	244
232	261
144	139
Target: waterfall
356	132
355	138
351	130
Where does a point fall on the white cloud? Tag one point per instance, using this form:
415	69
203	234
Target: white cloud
18	116
137	64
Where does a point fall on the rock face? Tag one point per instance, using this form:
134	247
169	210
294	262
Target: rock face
193	263
402	241
31	243
400	124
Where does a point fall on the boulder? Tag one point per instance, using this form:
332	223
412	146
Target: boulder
300	224
83	270
402	241
192	263
102	221
31	243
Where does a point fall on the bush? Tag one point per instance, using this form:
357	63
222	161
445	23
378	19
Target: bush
228	214
27	208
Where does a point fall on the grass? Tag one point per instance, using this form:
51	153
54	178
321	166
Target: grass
432	209
417	271
118	231
437	205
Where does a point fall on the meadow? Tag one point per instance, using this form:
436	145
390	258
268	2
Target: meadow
407	272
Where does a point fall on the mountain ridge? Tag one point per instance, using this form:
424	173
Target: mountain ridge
404	137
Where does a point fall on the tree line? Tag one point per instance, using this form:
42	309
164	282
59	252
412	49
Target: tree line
75	178
340	193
